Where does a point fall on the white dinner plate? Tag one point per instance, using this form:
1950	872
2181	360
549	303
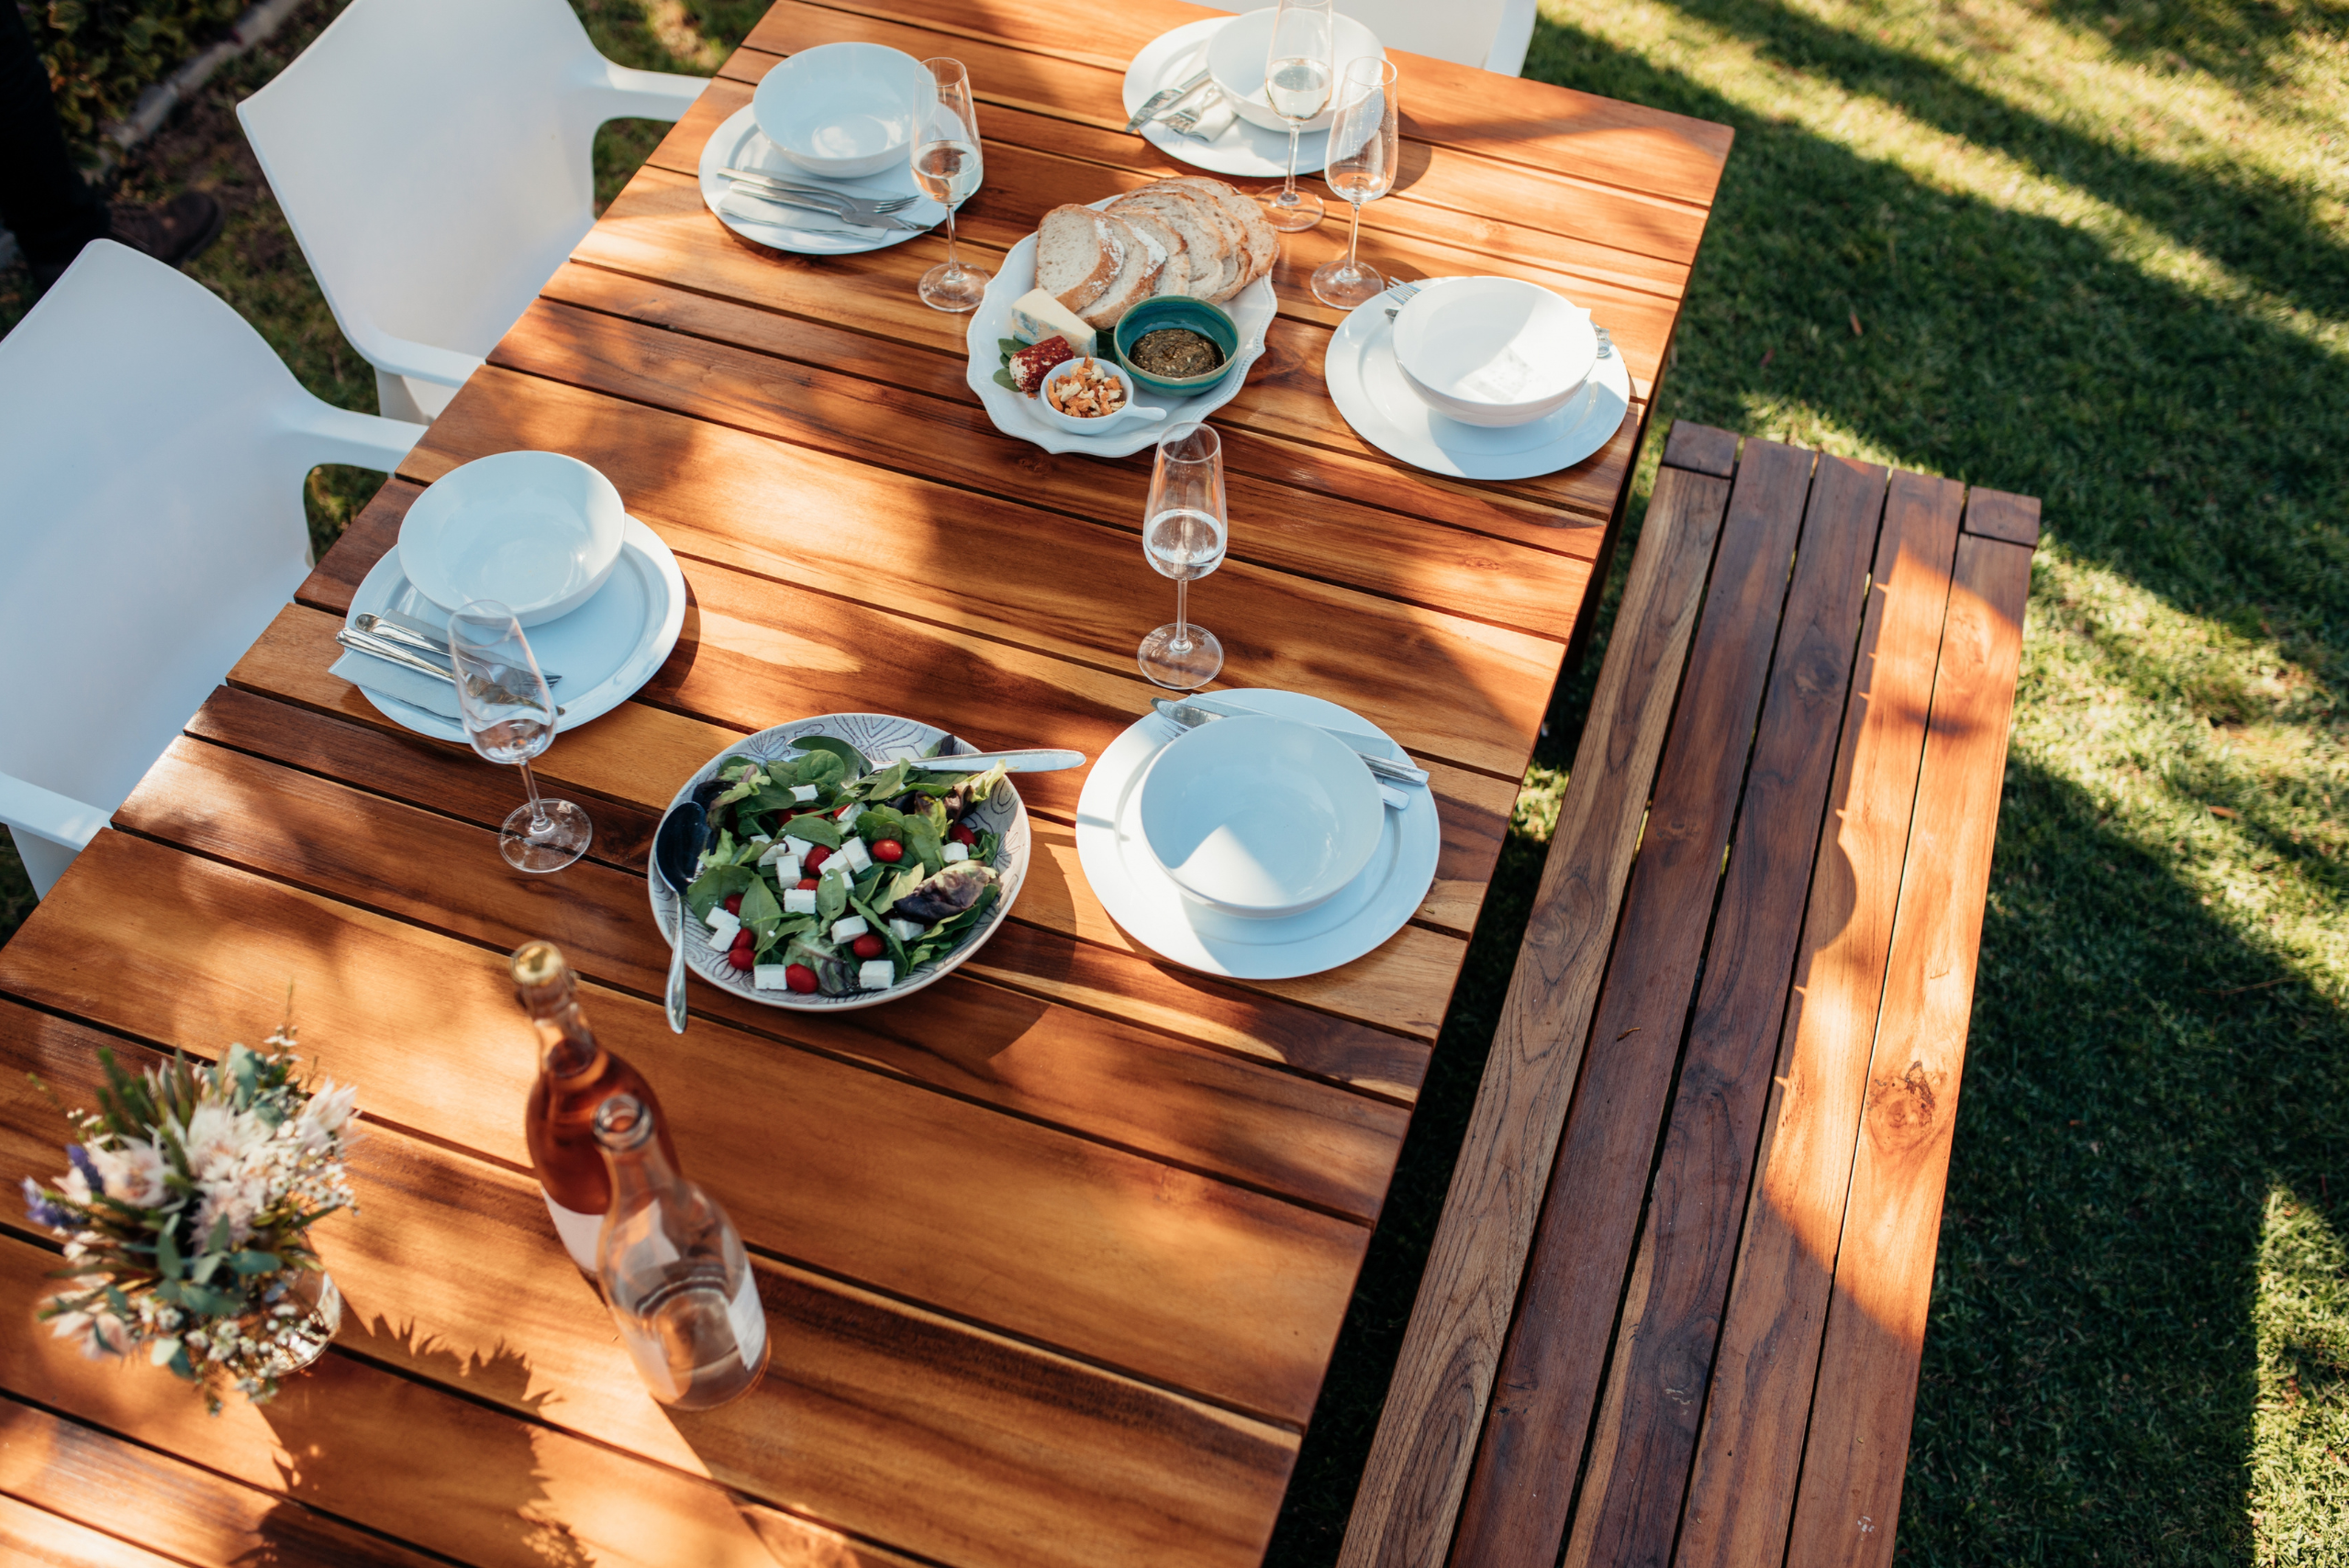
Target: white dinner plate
738	144
1368	388
1141	897
884	738
1247	151
605	650
1252	310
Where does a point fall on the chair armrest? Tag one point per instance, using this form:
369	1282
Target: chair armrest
621	92
45	814
338	435
402	356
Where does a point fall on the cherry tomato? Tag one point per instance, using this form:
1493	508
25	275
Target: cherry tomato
733	903
806	885
745	938
868	946
962	834
799	977
888	851
816	859
739	957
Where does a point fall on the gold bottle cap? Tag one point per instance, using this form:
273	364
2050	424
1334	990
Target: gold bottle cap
538	963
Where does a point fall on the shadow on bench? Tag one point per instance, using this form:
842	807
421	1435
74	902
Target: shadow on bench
1732	1045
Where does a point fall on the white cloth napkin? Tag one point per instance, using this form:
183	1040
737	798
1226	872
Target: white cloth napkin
402	685
1215	115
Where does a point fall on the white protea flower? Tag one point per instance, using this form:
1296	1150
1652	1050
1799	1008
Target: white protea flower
324	1117
100	1334
217	1140
133	1172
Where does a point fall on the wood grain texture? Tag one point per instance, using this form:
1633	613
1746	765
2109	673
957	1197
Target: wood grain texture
1748	1451
1111	1256
1671	1313
1411	1489
1995	514
1515	1511
1701	448
1856	1456
874	1417
31	1535
1109	1081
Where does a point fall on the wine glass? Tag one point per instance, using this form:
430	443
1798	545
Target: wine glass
947	166
1363	147
509	717
1183	537
1296	84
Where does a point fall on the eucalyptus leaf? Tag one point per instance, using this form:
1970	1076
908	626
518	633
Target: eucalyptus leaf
250	1263
167	1254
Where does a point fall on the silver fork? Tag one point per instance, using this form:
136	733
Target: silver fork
1402	291
842	200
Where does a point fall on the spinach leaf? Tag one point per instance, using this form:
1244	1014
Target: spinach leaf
827	761
831	897
813	828
714	886
908	877
881	928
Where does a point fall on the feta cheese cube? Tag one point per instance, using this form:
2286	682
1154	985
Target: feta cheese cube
955	851
906	930
859	858
848	931
876	974
718	915
786	870
838	866
721	933
799	901
803	792
770	977
848	818
797	848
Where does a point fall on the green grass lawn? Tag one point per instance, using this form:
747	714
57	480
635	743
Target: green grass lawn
2096	255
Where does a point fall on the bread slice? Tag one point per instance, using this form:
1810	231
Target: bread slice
1141	260
1215	261
1261	239
1174	276
1077	258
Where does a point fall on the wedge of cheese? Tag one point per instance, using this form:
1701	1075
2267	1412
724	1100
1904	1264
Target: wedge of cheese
1036	316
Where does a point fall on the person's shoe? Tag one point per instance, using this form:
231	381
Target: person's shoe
175	231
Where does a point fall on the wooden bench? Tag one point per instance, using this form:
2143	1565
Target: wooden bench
1675	1305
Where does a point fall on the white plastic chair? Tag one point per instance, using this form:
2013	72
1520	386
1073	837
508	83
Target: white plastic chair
1493	34
434	160
152	454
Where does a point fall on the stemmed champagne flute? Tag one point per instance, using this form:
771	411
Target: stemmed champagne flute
1182	532
509	717
947	166
1298	70
1363	147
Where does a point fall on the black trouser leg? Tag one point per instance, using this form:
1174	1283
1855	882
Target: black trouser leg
44	201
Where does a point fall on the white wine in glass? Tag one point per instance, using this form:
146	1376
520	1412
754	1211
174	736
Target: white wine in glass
1298	68
1364	144
1182	535
509	716
947	166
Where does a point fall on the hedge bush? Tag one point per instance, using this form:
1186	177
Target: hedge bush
103	53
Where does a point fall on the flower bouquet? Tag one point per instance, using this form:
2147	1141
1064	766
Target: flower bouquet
185	1219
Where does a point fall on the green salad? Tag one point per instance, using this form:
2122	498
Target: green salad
822	877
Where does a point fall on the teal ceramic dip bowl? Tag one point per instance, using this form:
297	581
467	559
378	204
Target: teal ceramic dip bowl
1176	310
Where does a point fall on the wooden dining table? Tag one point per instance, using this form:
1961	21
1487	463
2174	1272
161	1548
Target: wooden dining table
1055	1253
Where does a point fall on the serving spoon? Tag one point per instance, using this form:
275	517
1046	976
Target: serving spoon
677	854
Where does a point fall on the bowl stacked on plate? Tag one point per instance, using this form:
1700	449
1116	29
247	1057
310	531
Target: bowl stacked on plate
841	111
1493	351
537	532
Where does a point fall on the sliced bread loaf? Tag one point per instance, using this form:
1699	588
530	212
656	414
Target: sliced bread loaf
1141	259
1174	276
1077	258
1215	258
1262	241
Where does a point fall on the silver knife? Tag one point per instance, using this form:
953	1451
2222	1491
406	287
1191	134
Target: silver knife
1165	98
843	222
406	636
392	653
1040	760
1194	712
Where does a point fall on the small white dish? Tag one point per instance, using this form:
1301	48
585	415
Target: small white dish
1235	59
1368	386
539	532
1252	310
1147	905
884	737
1244	149
1493	352
1261	816
736	143
1096	424
842	111
607	648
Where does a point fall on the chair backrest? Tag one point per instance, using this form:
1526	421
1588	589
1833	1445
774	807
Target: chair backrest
434	162
150	516
1492	34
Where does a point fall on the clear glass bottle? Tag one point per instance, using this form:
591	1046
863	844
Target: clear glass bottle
575	1075
673	1270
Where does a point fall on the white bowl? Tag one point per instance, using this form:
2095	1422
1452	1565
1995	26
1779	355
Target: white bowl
1261	816
843	110
1493	351
537	531
1236	62
1082	425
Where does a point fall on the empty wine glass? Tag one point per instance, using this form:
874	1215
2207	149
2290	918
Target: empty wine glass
509	717
1363	146
1296	84
1183	534
947	166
